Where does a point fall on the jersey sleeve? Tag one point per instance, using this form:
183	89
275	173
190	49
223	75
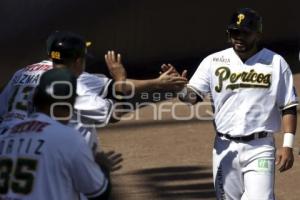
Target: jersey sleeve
4	99
93	109
286	93
91	84
200	81
86	174
92	106
6	94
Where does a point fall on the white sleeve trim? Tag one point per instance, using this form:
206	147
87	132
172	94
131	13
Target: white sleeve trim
292	104
196	91
104	92
110	111
98	192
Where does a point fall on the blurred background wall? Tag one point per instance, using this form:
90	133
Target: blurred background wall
146	32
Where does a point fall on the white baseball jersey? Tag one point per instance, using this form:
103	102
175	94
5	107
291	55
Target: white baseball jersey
92	108
91	103
41	158
16	98
247	97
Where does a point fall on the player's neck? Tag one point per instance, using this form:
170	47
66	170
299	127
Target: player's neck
71	67
59	65
61	115
244	56
43	110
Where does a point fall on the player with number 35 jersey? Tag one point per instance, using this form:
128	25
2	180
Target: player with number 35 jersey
41	158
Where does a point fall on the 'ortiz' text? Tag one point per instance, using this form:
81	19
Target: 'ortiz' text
24	143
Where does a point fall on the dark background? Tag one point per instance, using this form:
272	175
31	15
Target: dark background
146	32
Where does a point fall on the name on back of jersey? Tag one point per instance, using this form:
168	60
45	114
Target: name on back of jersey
31	74
30	126
27	79
38	67
25	143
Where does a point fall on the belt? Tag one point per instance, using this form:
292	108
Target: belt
247	138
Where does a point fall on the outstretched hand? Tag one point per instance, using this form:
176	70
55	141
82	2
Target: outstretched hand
166	67
171	80
115	66
109	160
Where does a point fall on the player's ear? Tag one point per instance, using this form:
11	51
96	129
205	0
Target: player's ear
228	36
78	61
79	64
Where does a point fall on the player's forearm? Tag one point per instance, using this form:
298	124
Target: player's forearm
120	87
142	85
289	125
289	120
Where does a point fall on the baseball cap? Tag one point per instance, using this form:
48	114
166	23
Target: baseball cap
56	85
66	45
245	19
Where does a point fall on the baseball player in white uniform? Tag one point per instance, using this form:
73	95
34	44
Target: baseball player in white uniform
92	108
44	159
97	94
94	103
16	97
252	92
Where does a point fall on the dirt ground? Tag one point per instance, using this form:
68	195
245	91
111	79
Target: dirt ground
168	159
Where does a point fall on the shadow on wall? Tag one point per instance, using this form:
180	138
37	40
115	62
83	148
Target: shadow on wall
140	30
288	48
